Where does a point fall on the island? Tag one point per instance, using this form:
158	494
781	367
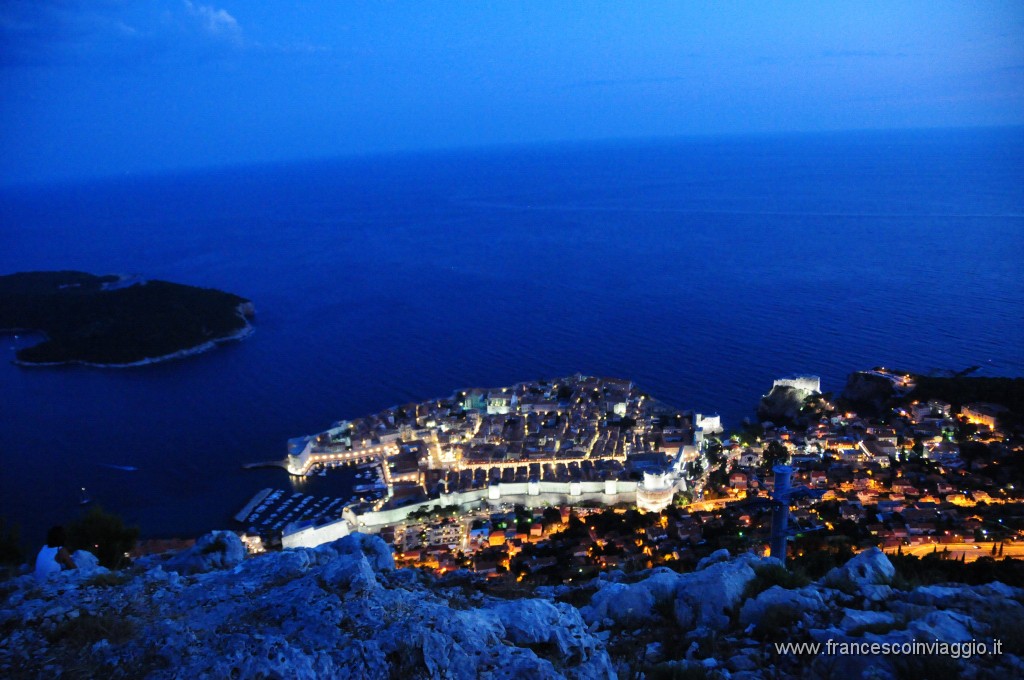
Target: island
116	321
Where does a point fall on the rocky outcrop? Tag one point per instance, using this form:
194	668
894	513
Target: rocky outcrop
215	550
724	620
342	610
805	600
782	405
702	598
708	597
868	392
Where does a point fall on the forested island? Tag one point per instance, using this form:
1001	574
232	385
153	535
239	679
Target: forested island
116	321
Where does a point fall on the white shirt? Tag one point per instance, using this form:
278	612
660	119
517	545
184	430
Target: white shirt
46	562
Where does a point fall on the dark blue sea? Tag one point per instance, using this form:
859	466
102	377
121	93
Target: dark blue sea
702	269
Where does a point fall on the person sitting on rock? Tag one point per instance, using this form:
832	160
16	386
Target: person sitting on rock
53	556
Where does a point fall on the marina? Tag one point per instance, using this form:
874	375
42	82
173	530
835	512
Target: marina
270	510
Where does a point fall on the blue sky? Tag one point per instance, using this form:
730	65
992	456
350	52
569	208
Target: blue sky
104	87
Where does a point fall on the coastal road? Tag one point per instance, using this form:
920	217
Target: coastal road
973	551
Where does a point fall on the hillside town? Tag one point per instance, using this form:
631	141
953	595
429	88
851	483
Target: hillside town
553	481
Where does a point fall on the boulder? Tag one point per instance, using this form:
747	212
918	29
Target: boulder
706	597
630	604
856	621
340	610
868	568
876	593
215	550
337	611
721	555
943	625
373	548
806	599
86	564
621	604
556	631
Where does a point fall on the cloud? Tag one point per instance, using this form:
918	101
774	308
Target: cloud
117	33
221	27
217	23
125	29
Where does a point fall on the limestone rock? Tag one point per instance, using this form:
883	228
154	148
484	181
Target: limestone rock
622	604
337	611
805	600
718	556
86	562
705	597
215	550
341	610
868	568
856	620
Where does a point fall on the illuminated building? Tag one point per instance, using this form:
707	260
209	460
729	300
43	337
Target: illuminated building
654	494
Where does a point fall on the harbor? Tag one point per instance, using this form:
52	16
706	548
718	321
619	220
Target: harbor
270	510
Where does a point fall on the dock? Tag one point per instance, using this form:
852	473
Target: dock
266	463
272	509
251	505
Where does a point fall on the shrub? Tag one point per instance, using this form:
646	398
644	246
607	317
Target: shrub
108	580
917	667
674	671
103	534
666	608
89	629
768	575
776	621
10	544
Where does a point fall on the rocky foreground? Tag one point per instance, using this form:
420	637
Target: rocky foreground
342	610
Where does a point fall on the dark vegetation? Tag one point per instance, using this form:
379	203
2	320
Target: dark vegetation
87	318
775	453
911	571
435	512
11	551
770	575
963	390
214	547
105	535
873	396
89	629
1008	392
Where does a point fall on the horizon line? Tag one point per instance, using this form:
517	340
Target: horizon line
73	180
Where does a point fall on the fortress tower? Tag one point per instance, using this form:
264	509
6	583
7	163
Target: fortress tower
654	494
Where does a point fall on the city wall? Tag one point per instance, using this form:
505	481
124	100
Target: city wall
528	494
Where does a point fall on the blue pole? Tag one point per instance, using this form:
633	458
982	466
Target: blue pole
780	511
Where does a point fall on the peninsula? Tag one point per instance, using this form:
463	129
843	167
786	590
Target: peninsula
552	481
572	440
116	321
